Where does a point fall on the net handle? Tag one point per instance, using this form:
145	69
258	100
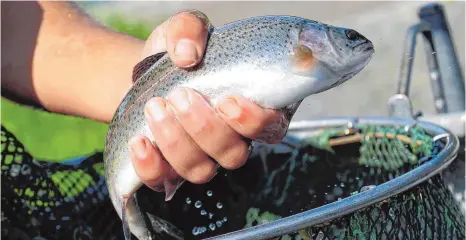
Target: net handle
361	200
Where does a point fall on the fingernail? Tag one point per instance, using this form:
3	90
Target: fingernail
198	14
156	109
139	148
230	108
180	100
187	50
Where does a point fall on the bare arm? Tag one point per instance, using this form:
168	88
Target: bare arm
56	56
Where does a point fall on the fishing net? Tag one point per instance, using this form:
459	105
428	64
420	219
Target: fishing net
342	162
46	200
308	172
70	201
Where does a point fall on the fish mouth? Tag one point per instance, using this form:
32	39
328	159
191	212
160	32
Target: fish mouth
368	48
365	46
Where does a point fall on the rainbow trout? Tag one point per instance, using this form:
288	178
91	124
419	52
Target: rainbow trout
275	61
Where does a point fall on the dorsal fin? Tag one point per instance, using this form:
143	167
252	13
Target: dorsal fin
145	64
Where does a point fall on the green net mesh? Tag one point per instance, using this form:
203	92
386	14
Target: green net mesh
355	160
43	200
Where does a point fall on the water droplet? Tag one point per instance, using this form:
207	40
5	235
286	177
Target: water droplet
203	229
366	188
212	226
198	204
339	198
219	223
219	205
391	212
342	185
203	212
195	231
211	215
209	193
225	219
188	200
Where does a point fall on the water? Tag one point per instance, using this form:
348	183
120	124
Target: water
188	200
209	193
212	226
198	230
219	223
367	188
391	212
219	205
203	212
198	204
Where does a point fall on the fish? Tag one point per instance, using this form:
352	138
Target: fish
276	61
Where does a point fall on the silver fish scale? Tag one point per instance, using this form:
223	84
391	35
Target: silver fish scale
251	57
228	46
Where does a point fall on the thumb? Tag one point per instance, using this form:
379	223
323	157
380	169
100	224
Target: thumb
183	36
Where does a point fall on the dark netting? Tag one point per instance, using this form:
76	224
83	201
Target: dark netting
355	160
54	201
57	201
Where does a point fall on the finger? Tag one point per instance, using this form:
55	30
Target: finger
188	160
207	129
186	38
252	121
156	43
148	162
195	21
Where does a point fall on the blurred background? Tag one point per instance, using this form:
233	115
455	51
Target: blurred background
56	137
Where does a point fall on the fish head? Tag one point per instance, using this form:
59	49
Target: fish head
328	54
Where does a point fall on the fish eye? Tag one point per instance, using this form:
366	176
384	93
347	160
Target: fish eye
351	34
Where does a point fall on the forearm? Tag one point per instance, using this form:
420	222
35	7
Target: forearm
75	66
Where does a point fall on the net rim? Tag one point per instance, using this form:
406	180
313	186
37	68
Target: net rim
361	200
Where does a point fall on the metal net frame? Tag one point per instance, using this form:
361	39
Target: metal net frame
371	179
382	181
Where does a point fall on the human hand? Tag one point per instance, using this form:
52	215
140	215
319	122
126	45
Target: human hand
189	134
